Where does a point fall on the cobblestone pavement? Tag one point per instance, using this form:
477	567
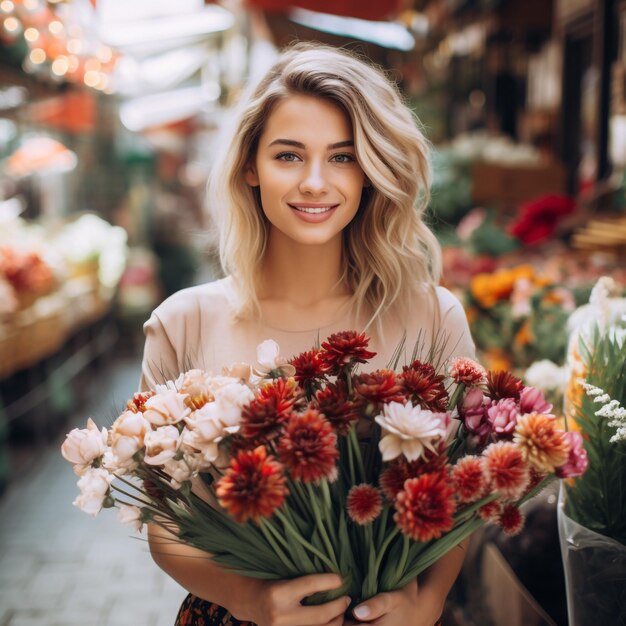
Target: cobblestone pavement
60	567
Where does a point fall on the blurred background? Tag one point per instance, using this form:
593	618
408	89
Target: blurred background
110	112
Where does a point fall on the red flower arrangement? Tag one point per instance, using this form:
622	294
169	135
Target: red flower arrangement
537	220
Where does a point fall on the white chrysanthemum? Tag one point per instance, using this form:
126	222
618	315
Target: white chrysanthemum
409	430
612	410
546	376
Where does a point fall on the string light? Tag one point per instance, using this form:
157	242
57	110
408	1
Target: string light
37	56
72	63
31	5
6	6
55	27
11	24
60	66
92	78
31	34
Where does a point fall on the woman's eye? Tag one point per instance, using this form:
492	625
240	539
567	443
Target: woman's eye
287	156
344	158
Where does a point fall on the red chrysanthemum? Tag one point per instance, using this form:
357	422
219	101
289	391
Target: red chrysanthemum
490	512
466	371
333	403
263	419
345	348
392	479
364	504
506	469
137	404
253	487
309	367
424	387
511	519
308	447
469	479
425	507
377	388
503	384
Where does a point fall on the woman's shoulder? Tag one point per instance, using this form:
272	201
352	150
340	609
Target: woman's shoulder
205	300
448	302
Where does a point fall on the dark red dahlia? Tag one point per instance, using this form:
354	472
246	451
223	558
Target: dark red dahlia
253	487
377	388
425	507
309	367
333	403
308	447
490	512
511	519
364	504
345	348
262	420
400	470
422	385
503	384
137	404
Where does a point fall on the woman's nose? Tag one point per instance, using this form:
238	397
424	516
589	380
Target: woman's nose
313	180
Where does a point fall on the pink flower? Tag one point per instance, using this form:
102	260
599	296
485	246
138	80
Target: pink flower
473	411
577	462
127	435
466	371
161	445
94	485
531	400
503	416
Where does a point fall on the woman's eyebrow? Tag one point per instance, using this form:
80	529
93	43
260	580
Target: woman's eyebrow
299	144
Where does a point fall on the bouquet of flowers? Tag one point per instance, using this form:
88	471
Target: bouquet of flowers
313	465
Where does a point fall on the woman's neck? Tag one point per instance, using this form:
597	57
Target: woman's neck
302	276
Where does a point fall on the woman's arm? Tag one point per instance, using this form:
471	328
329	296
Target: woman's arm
265	603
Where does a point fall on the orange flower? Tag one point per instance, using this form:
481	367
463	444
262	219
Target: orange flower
524	335
253	487
497	359
378	387
540	442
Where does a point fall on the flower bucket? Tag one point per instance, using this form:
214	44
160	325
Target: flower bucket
595	572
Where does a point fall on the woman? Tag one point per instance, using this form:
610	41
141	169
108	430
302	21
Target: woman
319	205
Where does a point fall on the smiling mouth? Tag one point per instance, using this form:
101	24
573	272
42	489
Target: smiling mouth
314	210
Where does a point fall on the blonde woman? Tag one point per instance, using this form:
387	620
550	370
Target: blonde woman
319	205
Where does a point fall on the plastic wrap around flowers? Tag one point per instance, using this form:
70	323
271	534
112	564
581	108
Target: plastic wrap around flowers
312	465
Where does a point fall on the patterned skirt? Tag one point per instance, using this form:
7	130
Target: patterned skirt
197	612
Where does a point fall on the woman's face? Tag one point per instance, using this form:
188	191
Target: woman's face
306	169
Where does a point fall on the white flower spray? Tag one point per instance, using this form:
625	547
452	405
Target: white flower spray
611	409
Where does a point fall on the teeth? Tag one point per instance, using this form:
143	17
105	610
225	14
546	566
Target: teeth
314	210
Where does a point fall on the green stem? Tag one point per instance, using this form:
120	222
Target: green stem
320	524
454	400
385	545
264	526
354	442
302	541
382	525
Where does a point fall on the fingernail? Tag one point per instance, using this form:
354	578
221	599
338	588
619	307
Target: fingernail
361	612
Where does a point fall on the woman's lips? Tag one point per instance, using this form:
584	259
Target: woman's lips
314	212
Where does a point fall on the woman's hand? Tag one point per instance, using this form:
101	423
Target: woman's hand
406	606
278	603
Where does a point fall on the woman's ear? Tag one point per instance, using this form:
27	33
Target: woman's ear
251	176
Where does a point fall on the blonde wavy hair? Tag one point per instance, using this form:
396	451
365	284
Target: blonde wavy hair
389	256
